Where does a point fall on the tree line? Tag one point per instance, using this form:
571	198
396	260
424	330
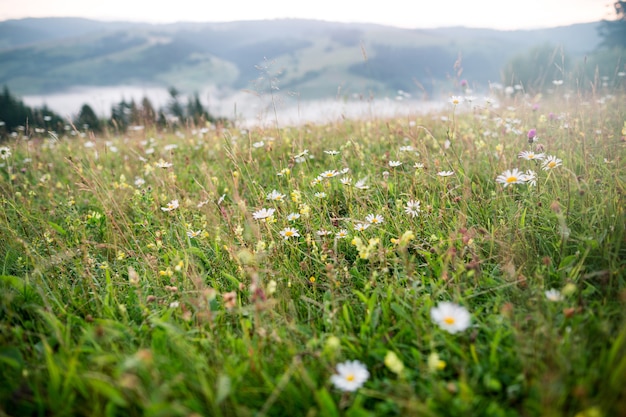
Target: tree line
15	115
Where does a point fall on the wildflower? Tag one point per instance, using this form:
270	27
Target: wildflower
530	155
360	184
532	135
323	232
418	165
551	162
509	177
193	234
394	164
331	152
263	213
275	196
293	216
530	177
361	226
374	219
258	144
342	234
450	317
412	208
445	173
554	295
346	180
162	164
230	299
435	363
350	376
172	205
139	182
284	172
407	148
394	363
5	152
328	174
456	100
320	195
288	232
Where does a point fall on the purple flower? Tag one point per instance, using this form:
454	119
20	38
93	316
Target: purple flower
532	133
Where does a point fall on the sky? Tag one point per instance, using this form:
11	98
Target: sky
496	14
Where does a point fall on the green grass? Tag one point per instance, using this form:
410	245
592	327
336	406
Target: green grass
109	308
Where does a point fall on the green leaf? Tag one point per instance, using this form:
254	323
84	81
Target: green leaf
58	228
326	403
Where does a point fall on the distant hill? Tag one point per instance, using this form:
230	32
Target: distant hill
313	59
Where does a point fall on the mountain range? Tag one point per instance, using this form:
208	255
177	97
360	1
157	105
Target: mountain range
311	59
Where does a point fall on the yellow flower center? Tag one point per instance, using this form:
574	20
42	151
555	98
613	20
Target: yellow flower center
511	179
288	233
551	164
350	377
449	320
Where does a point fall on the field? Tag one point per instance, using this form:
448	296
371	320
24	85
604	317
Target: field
464	263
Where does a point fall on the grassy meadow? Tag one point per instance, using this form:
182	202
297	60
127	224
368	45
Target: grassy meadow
465	263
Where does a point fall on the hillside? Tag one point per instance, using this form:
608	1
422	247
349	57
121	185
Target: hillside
311	58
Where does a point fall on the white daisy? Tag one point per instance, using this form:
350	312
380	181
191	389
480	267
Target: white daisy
451	317
509	177
288	232
263	213
350	376
172	205
412	208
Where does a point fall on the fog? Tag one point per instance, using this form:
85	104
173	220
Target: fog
245	107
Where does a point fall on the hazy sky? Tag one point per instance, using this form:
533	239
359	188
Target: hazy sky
499	14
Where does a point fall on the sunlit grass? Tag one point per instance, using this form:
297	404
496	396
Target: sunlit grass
241	272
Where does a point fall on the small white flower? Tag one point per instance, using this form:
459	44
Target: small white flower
162	164
139	182
342	234
450	317
193	234
331	152
361	226
350	376
5	152
323	232
320	195
293	216
328	174
275	196
258	144
288	232
264	213
551	162
360	184
172	205
445	173
530	177
418	165
530	155
394	164
455	100
346	180
554	295
412	208
374	219
508	177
